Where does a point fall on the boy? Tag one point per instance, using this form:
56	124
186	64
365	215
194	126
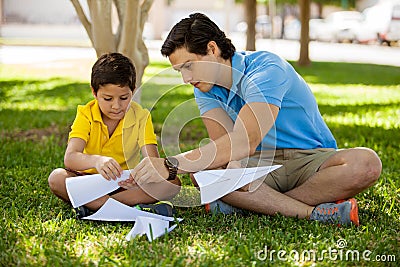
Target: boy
106	136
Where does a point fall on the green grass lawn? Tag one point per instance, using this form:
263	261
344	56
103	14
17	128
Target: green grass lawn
360	103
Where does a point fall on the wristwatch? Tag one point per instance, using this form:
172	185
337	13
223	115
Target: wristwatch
172	165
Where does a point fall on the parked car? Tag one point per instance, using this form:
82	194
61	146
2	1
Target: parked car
263	27
336	27
391	31
292	28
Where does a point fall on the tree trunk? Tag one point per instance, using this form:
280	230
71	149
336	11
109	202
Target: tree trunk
251	13
128	39
320	9
304	59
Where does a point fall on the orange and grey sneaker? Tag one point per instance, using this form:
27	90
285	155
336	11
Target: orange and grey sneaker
341	212
218	206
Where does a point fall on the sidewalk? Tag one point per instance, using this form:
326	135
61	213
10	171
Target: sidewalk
77	45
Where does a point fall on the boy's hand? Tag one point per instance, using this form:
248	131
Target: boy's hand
128	183
108	168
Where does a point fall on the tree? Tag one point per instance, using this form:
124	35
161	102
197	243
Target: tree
304	59
127	39
251	13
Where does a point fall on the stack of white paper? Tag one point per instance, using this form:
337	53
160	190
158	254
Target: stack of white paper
213	184
83	189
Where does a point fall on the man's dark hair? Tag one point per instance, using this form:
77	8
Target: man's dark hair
194	33
113	68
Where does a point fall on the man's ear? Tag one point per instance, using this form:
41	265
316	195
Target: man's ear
213	47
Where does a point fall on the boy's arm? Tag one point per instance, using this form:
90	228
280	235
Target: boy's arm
75	159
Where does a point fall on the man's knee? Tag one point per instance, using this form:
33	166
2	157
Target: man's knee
368	168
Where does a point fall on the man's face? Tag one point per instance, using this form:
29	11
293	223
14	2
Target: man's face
198	70
113	101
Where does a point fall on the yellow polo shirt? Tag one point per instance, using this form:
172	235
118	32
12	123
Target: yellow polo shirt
133	131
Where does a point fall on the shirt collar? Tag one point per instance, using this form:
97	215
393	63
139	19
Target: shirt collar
96	111
238	68
130	116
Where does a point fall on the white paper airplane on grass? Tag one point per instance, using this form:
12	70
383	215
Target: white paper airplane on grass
215	184
84	189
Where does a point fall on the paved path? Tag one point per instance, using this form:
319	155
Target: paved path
288	49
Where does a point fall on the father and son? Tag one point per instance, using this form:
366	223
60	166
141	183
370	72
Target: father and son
258	111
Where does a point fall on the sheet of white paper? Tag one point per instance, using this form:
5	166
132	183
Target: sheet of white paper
83	189
114	210
151	227
215	184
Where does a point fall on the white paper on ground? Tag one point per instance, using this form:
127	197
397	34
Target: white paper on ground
83	189
151	227
215	184
114	210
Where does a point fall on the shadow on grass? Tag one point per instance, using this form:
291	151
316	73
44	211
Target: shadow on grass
349	73
16	120
54	87
356	109
67	90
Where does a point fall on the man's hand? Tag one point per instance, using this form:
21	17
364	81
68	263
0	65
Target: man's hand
150	170
128	183
108	168
234	164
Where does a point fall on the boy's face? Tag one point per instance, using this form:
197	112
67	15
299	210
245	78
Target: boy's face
113	101
201	71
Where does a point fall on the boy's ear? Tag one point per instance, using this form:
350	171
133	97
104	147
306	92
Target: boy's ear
93	92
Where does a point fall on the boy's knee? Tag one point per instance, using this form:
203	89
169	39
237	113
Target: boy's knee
55	176
193	180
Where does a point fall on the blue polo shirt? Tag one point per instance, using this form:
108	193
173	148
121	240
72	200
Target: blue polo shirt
265	77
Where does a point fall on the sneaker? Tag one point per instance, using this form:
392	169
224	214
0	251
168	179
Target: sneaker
82	211
343	212
164	208
218	206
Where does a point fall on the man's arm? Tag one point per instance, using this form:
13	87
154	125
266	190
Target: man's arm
217	122
253	123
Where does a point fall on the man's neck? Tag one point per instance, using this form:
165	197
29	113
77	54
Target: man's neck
225	79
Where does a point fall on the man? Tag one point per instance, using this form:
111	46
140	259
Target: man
259	111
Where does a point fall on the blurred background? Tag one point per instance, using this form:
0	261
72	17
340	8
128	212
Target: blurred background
350	21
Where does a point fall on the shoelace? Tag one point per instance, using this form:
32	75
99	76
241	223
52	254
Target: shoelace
327	213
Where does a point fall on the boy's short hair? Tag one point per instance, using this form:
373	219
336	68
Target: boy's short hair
194	33
113	68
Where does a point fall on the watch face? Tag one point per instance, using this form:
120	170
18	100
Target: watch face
172	162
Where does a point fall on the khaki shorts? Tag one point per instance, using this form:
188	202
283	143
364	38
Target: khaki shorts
297	165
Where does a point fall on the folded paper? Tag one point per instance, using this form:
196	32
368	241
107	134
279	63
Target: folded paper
83	189
151	227
215	184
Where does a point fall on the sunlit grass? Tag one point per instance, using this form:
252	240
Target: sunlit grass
360	103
